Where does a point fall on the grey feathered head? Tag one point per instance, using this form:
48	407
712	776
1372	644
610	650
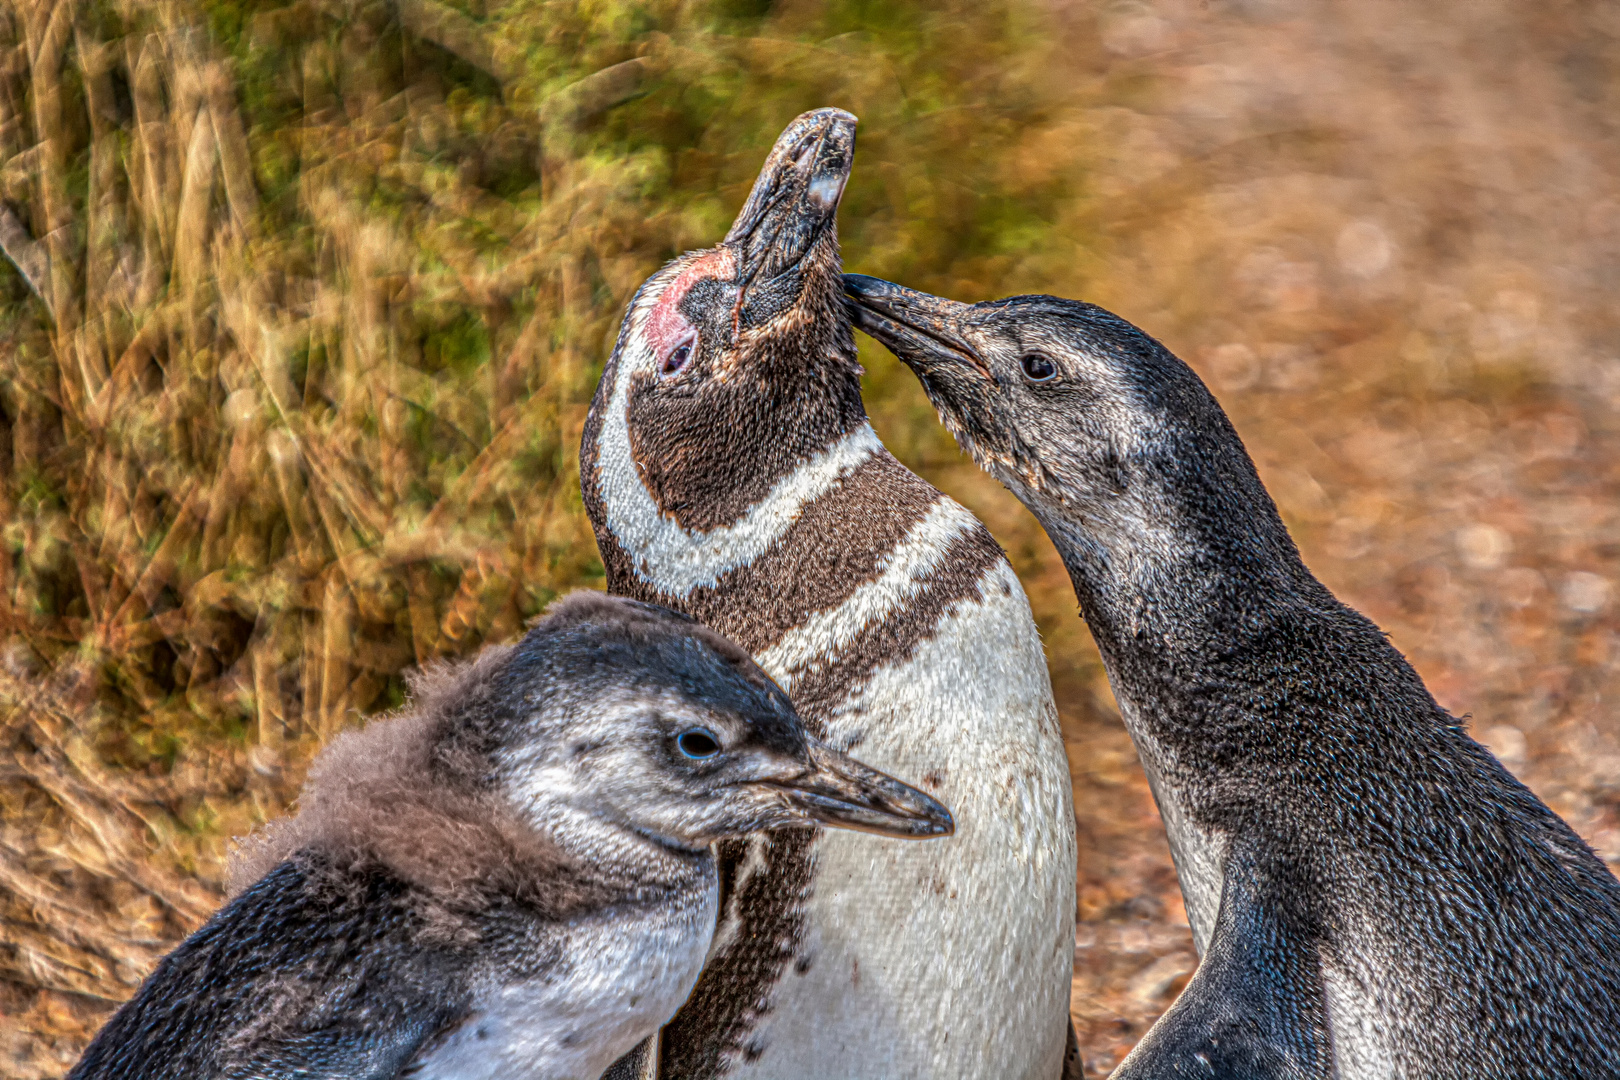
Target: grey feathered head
612	722
1113	442
652	722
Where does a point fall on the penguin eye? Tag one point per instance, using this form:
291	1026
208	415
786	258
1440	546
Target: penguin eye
677	358
698	744
1038	368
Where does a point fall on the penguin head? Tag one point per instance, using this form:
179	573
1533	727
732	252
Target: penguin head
634	717
1114	443
735	364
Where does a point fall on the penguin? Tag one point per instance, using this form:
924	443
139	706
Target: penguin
1371	892
730	472
510	879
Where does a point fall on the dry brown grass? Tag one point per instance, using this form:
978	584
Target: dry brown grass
218	416
311	296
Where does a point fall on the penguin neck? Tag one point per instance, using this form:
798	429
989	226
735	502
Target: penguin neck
643	545
1170	602
1180	597
660	469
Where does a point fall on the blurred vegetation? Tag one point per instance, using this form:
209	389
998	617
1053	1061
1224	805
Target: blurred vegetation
303	307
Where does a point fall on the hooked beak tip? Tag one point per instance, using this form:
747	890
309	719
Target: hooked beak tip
794	202
921	329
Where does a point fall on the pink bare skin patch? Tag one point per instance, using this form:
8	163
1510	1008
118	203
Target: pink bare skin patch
666	326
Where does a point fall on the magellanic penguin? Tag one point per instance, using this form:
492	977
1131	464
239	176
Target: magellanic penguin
511	879
730	471
1372	893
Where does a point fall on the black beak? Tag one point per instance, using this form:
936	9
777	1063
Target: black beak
841	792
924	331
787	229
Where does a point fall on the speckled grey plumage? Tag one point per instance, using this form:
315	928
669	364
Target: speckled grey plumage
1374	895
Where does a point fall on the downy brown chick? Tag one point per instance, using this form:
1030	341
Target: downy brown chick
511	878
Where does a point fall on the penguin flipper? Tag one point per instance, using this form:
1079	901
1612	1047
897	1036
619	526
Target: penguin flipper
389	1053
1074	1067
639	1064
1253	1010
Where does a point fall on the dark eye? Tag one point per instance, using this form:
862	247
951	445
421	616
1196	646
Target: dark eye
698	744
1038	368
676	359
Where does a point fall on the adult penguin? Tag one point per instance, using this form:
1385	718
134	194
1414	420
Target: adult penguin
1372	893
730	472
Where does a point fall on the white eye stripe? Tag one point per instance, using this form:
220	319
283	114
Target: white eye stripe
671	558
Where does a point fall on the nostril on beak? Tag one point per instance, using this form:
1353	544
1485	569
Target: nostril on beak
824	192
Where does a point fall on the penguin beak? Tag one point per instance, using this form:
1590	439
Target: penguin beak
926	333
787	230
841	792
923	330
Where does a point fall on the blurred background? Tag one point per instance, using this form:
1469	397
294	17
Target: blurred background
303	304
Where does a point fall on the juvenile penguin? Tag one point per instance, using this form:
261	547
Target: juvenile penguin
512	879
1372	893
729	470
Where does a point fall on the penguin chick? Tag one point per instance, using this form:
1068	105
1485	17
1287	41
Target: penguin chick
513	877
1372	893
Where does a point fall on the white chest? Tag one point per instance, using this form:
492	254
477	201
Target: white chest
1199	855
948	958
619	982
